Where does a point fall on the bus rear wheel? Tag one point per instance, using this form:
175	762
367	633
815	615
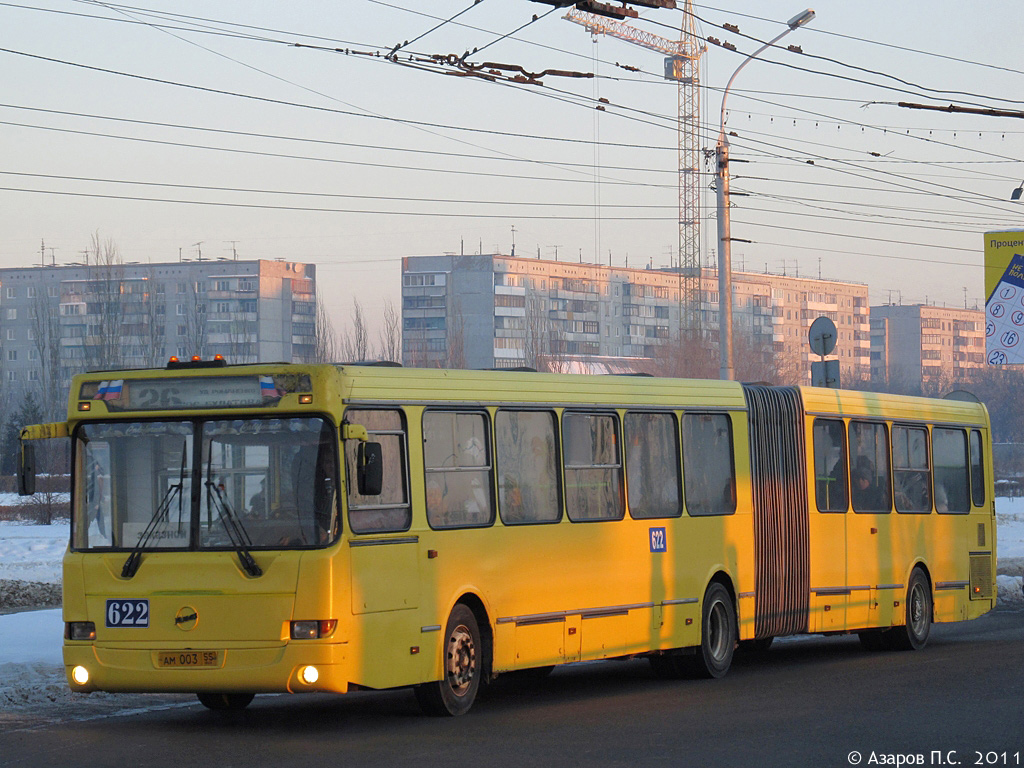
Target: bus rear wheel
717	633
224	702
913	635
462	666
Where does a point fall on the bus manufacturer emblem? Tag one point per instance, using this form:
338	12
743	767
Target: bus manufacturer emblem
186	618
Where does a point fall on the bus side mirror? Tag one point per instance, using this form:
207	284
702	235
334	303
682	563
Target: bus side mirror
370	469
26	469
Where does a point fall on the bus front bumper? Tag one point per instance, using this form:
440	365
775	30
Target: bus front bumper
295	667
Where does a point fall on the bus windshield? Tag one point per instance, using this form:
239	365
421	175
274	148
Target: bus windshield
272	480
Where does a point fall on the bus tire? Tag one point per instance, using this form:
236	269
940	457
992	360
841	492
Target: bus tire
913	635
224	702
462	664
717	633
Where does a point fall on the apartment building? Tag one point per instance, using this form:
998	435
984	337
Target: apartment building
497	311
58	320
919	344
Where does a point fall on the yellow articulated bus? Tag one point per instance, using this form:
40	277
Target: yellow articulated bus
281	527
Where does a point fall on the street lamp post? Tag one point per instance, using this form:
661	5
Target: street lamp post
726	371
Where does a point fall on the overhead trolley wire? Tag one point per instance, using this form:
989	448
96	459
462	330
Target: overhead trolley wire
894	46
332	110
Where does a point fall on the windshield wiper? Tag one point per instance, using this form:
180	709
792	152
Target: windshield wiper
235	530
131	565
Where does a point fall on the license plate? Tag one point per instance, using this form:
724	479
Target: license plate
187	659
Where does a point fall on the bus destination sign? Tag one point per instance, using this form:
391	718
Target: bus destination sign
199	392
180	393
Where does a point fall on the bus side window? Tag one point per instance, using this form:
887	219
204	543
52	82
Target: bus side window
593	467
977	470
709	473
527	462
389	511
652	465
456	462
911	474
870	487
951	474
830	465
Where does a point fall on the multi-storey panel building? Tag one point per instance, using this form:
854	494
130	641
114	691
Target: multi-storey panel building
59	320
919	344
495	311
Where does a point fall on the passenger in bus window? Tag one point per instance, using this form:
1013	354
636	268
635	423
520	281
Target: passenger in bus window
912	494
865	495
258	502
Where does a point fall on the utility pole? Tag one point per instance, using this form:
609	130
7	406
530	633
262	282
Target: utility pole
726	370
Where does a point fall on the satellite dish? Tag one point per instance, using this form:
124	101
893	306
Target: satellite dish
822	336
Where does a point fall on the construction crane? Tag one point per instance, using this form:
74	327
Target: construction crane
682	64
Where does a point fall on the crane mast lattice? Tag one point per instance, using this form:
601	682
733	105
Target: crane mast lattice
682	64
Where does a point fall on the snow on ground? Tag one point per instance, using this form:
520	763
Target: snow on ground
1010	527
33	552
31	666
10	499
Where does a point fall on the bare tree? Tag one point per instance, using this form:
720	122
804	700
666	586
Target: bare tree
455	338
390	335
536	332
355	344
45	327
241	341
105	345
196	330
154	318
688	357
325	348
415	345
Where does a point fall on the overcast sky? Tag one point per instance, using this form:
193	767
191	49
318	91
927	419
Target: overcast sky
164	125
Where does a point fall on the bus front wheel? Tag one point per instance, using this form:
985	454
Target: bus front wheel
462	667
717	633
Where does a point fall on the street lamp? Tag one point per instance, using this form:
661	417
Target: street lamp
724	239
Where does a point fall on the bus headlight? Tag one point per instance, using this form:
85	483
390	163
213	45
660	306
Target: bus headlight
80	675
309	674
312	629
80	630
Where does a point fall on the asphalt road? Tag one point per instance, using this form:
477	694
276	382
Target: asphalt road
806	702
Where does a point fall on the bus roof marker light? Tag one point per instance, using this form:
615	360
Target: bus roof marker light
86	406
305	399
